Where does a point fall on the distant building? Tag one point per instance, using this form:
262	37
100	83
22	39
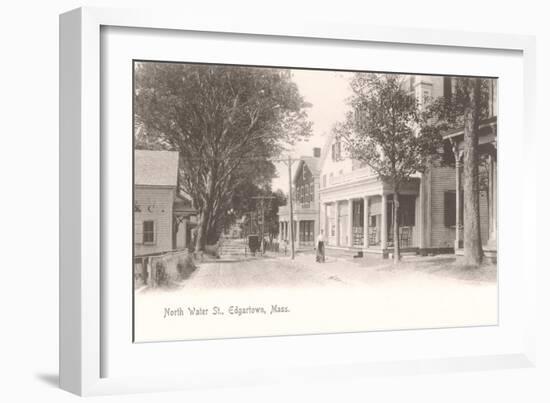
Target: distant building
305	185
162	218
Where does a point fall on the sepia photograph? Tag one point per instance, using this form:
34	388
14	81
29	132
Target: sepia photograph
272	201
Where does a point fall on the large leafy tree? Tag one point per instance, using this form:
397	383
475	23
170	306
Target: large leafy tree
225	121
464	107
387	130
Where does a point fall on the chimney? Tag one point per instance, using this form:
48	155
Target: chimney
317	152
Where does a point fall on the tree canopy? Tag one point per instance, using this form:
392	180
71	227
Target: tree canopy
386	128
226	122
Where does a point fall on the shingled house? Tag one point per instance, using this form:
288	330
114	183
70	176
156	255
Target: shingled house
306	203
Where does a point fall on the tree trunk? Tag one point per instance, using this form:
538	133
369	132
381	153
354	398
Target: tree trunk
473	252
202	229
396	246
200	242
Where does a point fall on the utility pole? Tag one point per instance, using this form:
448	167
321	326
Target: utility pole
289	162
262	212
291	222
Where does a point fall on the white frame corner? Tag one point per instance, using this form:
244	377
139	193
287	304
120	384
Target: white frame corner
80	181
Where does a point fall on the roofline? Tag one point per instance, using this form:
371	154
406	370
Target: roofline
459	131
303	161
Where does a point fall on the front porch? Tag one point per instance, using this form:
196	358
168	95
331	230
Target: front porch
365	225
304	226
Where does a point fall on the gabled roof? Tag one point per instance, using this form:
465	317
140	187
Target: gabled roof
313	163
326	148
155	168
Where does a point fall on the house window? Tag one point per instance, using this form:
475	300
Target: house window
331	220
148	232
325	181
450	208
336	151
407	206
372	221
357	164
426	96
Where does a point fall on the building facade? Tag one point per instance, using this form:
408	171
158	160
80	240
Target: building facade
356	207
163	218
305	185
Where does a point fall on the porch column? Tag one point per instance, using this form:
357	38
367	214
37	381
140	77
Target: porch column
288	229
492	200
366	212
421	208
297	233
183	230
350	223
337	208
325	222
458	213
384	224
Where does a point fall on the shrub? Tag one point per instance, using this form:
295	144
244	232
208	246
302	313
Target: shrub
185	266
212	250
161	277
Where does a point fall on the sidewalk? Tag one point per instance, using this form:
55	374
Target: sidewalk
372	268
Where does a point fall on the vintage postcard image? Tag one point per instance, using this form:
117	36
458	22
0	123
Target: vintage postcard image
284	201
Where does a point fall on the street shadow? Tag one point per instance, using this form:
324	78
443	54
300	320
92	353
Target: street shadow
49	379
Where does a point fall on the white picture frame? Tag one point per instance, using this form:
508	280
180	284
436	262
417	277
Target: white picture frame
82	304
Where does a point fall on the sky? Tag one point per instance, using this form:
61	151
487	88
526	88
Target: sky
327	92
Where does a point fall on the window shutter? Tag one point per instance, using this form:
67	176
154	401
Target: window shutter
447	88
450	209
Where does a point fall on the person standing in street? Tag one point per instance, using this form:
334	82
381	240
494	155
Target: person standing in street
320	255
